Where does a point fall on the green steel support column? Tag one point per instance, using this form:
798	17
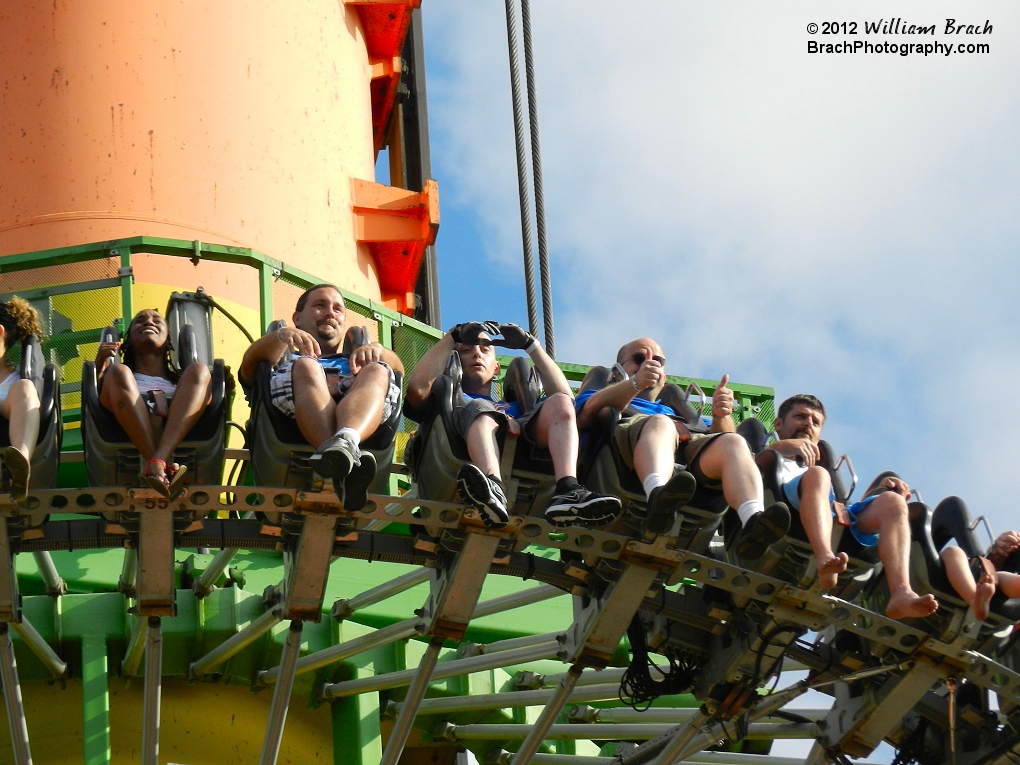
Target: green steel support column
265	295
357	739
95	695
126	280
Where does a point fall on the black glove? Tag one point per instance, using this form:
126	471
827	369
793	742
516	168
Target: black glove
514	337
468	332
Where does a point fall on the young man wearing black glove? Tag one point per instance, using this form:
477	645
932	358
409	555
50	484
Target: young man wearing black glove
480	420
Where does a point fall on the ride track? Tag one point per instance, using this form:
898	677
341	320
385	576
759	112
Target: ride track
457	552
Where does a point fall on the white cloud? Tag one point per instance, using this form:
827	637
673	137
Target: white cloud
840	224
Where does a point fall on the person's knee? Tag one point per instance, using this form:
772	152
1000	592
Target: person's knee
118	380
733	447
816	477
483	424
953	553
197	373
375	375
891	507
24	391
558	407
307	371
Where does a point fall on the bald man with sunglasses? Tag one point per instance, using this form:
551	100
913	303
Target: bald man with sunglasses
652	437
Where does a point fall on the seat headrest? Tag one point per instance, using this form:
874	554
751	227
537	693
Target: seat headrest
354	338
521	384
673	397
754	432
454	370
597	378
190	309
32	361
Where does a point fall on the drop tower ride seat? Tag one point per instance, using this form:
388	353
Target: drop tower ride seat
602	469
437	452
792	558
280	454
46	378
111	459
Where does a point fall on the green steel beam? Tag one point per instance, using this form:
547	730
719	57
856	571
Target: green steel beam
266	274
126	282
95	694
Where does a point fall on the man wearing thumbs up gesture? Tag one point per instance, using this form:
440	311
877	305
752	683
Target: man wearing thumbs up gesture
652	437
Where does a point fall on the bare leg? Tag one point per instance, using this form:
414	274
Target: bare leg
978	595
556	430
1009	583
314	408
728	458
816	517
120	395
193	395
656	448
887	517
482	446
21	409
362	407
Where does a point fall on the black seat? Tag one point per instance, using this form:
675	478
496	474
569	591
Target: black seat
110	457
602	469
280	454
46	378
930	532
437	452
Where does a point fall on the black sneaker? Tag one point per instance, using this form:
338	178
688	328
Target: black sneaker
341	459
483	494
665	500
763	530
580	505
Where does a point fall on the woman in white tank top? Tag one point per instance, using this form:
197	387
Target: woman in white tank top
144	387
19	400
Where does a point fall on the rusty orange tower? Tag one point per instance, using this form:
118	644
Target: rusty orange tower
237	123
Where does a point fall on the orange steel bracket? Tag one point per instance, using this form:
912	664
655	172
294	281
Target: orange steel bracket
385	24
397	225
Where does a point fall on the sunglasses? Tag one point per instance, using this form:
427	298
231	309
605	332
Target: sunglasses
640	358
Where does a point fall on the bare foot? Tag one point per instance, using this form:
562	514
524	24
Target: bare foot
982	597
910	605
829	570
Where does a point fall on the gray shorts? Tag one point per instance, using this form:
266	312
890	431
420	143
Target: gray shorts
281	389
470	409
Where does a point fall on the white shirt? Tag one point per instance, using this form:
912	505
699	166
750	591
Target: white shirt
5	386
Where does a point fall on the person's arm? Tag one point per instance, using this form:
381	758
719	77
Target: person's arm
271	348
619	395
106	353
428	368
722	408
553	379
792	448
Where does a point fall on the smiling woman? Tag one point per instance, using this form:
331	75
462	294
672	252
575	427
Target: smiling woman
155	406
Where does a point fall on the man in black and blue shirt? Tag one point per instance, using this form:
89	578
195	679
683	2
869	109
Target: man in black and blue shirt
549	428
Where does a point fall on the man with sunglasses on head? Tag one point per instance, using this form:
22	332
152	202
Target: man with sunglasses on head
652	437
550	428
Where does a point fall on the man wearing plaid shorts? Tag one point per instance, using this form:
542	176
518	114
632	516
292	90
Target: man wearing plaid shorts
336	400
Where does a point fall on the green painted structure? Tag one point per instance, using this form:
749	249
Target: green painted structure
91	626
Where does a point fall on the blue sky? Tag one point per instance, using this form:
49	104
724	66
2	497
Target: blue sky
844	225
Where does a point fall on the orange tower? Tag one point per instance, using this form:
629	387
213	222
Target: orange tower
239	123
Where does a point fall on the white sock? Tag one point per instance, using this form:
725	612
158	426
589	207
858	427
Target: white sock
653	481
749	509
351	434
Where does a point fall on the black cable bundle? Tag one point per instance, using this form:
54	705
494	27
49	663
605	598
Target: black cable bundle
638	689
912	750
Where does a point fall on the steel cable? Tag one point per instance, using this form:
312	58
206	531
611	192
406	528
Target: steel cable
522	168
536	177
